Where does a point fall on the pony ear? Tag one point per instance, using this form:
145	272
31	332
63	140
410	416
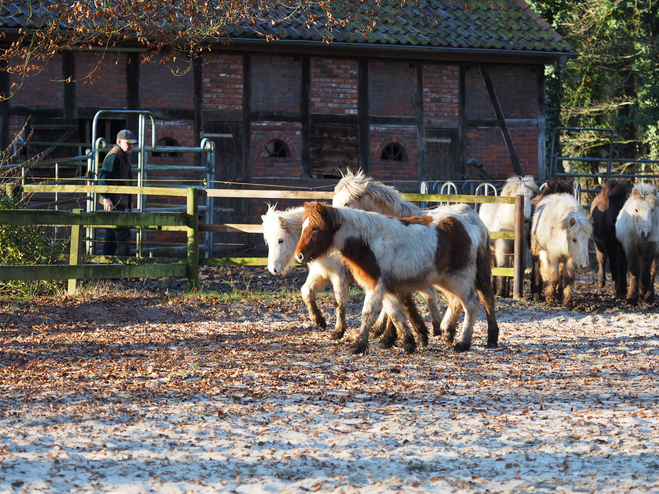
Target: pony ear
573	222
282	223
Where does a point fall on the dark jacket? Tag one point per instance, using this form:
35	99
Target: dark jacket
116	171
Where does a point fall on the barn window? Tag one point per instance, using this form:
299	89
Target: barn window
166	142
276	149
393	152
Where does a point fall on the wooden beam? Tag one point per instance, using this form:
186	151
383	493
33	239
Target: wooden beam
498	110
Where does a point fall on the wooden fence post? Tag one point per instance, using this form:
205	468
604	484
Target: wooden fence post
193	240
75	252
519	246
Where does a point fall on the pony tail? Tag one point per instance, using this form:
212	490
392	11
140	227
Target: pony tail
484	270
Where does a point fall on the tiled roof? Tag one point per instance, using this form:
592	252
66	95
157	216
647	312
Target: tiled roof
496	25
442	24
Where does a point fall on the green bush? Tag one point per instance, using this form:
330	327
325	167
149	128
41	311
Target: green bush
23	245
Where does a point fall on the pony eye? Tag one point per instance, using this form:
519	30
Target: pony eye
281	240
574	240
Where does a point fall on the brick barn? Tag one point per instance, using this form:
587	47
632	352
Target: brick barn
411	100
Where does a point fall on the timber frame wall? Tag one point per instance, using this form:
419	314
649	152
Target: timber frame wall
332	111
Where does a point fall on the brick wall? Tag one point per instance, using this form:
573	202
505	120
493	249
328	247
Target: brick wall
334	86
441	91
406	137
39	90
275	84
160	87
265	167
223	82
391	88
106	88
488	146
509	83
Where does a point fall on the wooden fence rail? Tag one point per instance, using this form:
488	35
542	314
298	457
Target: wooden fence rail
95	267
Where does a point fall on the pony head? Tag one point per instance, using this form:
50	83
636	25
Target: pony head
641	207
358	191
281	232
319	223
579	229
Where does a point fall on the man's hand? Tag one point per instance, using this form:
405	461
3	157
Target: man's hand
107	204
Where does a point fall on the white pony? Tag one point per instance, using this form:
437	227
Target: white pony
560	231
281	232
501	218
637	229
358	191
391	258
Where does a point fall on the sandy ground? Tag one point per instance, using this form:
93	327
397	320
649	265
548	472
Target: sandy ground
156	393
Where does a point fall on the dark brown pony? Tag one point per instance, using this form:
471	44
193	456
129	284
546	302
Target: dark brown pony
604	212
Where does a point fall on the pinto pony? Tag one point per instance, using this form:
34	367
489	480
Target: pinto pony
637	229
281	232
391	258
359	191
560	231
501	217
604	212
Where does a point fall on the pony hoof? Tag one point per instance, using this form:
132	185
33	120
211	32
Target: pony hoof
336	335
385	344
462	347
492	344
358	349
409	348
423	343
436	332
632	301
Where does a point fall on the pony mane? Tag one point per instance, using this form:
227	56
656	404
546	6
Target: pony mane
290	218
513	184
616	187
644	192
359	185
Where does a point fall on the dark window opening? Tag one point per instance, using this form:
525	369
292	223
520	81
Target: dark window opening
276	149
393	152
166	142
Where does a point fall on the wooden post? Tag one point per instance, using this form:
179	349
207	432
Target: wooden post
519	246
193	240
75	252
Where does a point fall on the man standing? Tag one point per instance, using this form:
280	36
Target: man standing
116	171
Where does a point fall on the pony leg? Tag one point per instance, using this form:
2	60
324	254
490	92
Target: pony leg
470	304
394	307
600	252
372	305
389	334
451	316
310	289
648	272
536	279
415	319
341	285
618	262
430	297
550	274
381	325
568	282
486	295
634	267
